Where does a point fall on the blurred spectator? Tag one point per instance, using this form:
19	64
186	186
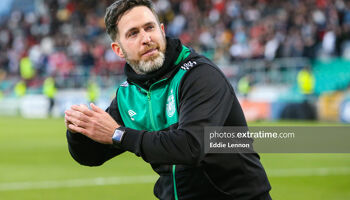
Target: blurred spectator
93	91
20	89
26	68
306	81
87	59
49	90
244	85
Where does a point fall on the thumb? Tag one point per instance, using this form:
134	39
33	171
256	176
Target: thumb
96	108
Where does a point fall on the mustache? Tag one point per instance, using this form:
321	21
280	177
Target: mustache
150	48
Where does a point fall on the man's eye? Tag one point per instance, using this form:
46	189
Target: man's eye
149	28
132	34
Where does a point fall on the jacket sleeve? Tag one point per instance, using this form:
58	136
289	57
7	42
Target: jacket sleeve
206	98
88	152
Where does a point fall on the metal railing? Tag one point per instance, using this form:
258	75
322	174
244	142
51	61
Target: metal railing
278	71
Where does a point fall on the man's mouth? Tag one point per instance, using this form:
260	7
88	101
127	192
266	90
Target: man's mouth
150	52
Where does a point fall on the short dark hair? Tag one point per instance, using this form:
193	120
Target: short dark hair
116	10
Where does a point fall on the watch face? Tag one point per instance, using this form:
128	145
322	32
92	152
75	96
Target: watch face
117	136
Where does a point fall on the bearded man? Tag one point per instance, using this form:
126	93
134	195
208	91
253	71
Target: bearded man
159	113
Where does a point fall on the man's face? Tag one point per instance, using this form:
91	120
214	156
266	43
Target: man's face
141	40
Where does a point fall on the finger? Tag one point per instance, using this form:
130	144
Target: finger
66	120
67	123
82	108
96	108
72	113
69	112
77	129
77	115
76	121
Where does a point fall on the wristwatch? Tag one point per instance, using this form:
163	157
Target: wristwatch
118	135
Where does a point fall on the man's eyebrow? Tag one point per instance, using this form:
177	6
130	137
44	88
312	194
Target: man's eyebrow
149	23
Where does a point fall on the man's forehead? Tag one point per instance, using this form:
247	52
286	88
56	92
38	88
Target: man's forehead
136	17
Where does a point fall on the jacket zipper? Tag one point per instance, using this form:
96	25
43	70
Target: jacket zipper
150	109
154	128
150	103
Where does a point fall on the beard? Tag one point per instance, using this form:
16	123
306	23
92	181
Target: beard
146	66
149	65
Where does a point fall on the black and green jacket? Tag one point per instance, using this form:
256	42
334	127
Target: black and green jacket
165	114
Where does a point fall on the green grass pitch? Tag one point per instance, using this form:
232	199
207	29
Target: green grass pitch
35	165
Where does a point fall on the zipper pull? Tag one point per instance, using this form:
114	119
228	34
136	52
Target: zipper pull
149	96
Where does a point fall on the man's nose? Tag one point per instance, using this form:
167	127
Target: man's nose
146	37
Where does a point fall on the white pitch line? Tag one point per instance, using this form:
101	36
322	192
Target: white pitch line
151	179
308	172
77	182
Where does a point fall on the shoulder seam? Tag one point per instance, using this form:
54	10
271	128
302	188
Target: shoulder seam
203	61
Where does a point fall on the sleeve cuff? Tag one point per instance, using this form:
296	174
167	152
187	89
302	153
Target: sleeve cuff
75	138
132	141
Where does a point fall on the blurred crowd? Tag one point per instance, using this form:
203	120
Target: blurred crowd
65	37
268	29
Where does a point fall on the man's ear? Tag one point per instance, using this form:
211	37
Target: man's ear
117	50
162	28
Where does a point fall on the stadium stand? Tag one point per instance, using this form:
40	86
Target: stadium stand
270	39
